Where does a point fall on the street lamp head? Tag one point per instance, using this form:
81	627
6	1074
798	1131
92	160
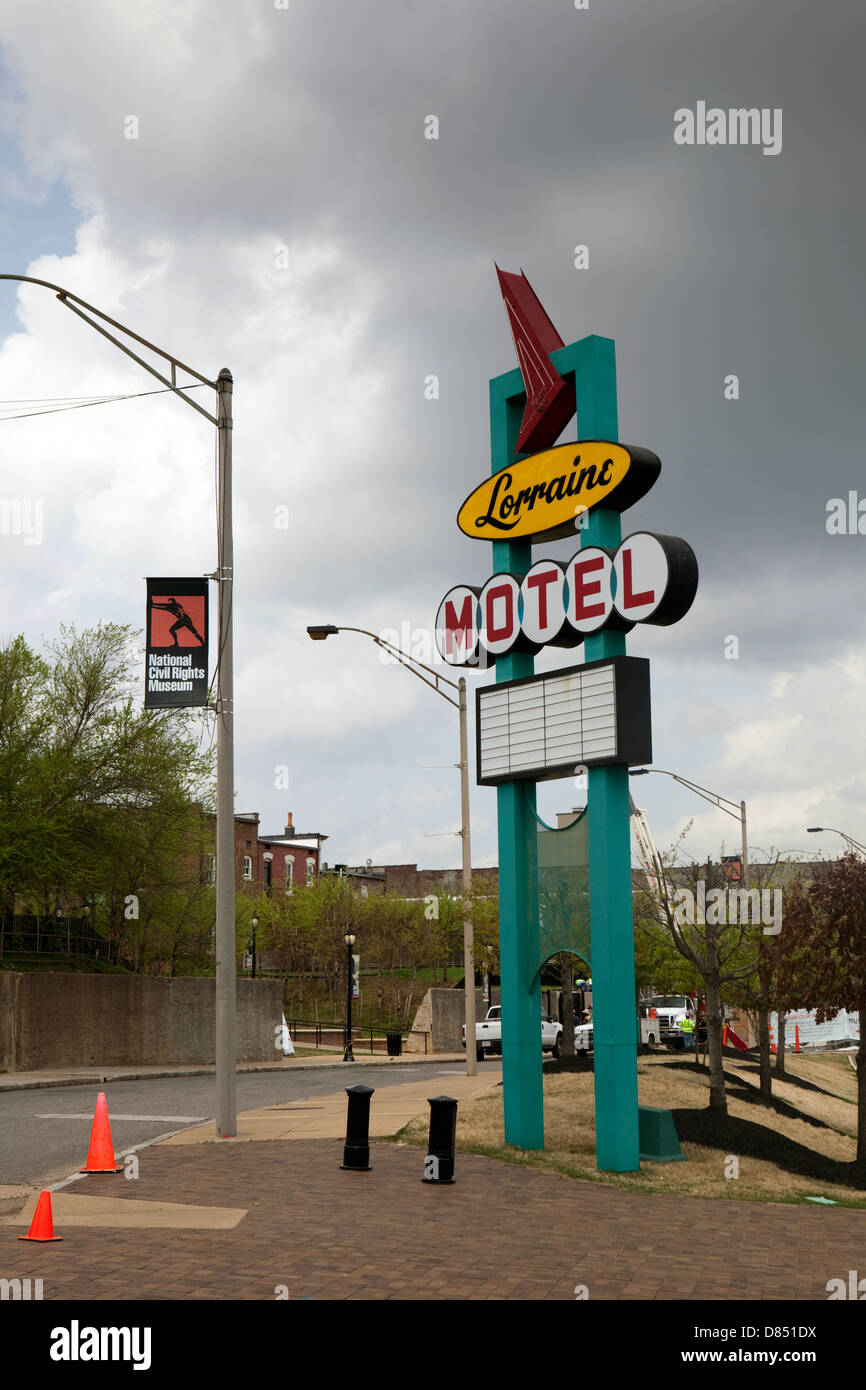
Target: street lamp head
319	631
639	771
254	921
349	938
813	829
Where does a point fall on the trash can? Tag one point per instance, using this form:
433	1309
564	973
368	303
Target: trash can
394	1042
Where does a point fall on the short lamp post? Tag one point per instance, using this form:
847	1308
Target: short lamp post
349	938
254	922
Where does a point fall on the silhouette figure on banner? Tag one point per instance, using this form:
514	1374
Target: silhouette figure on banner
183	620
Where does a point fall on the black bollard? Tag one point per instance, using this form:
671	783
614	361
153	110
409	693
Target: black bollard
439	1163
356	1151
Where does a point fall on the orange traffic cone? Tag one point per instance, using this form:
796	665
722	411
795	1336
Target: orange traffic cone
100	1155
797	1036
42	1225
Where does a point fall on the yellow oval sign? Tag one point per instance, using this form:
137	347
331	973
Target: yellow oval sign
542	497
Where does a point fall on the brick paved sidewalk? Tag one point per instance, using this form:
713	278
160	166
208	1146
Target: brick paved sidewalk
501	1232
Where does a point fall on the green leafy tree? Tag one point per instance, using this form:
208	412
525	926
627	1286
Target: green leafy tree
722	952
100	799
821	955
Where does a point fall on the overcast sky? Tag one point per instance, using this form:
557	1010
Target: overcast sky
279	211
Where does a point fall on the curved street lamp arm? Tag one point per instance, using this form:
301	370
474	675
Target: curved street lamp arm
226	1048
714	798
411	663
70	301
848	838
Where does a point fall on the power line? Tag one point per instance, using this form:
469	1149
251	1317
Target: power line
82	402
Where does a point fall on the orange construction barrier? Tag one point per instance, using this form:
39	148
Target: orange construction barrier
100	1155
734	1039
797	1037
42	1225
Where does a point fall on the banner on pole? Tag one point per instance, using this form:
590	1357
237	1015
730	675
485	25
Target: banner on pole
177	638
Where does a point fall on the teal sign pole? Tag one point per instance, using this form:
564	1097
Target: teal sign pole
590	364
617	1148
519	947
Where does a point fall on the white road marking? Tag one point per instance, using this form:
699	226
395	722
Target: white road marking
88	1115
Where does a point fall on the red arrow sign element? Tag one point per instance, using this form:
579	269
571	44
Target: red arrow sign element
550	400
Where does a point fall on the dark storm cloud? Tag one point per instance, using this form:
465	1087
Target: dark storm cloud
555	128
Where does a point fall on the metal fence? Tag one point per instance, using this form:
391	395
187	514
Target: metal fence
316	1033
27	936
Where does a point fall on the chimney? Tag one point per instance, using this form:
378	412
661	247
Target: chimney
290	829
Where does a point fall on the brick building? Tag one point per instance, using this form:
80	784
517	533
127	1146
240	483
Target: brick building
408	881
273	864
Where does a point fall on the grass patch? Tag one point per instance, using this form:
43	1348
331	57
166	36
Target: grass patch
801	1145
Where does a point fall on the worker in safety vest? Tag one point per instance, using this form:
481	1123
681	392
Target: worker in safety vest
687	1028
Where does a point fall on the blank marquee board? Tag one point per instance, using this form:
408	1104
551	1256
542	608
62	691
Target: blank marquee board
543	727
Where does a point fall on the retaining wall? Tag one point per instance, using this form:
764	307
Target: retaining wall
79	1020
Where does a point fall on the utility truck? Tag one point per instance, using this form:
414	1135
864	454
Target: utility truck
648	1032
670	1010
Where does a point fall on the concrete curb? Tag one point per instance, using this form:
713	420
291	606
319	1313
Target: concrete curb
98	1077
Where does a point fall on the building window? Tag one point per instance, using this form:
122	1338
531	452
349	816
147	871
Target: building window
290	874
311	872
248	867
211	868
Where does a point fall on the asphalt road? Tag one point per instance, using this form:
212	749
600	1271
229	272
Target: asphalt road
44	1134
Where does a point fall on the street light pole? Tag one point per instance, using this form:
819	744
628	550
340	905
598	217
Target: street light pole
468	932
724	803
254	922
745	849
226	982
319	632
349	938
226	970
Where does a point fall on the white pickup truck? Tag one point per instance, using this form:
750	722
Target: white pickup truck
488	1034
